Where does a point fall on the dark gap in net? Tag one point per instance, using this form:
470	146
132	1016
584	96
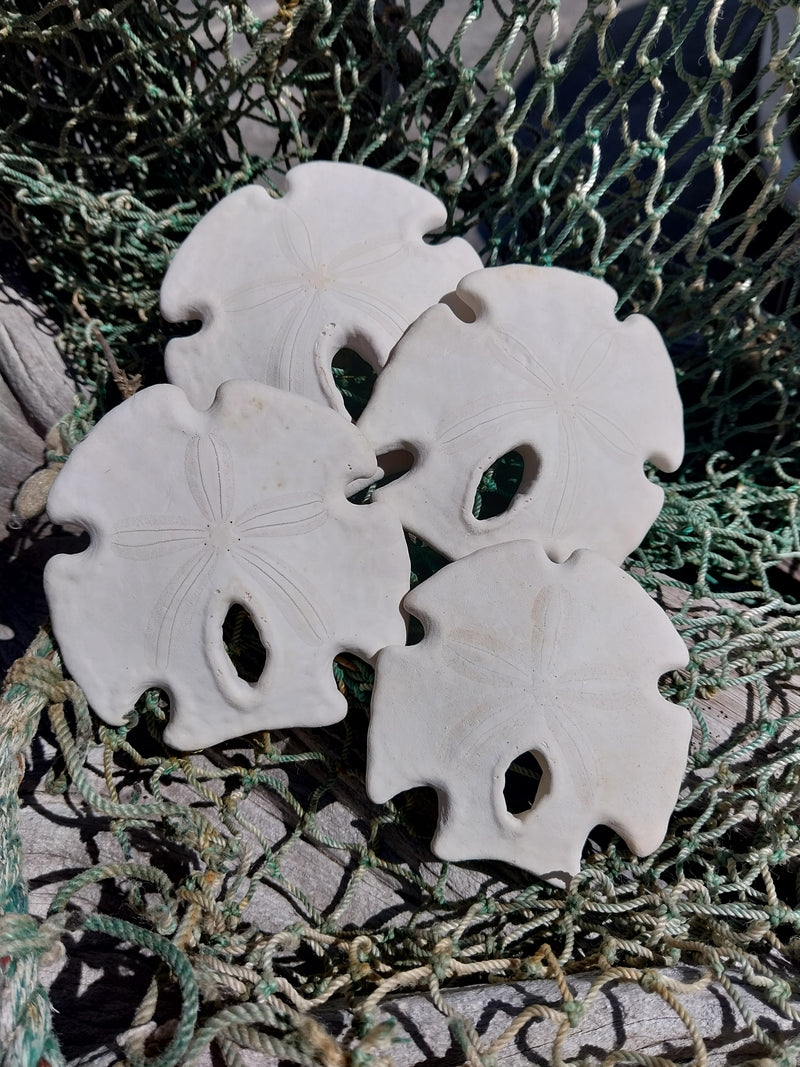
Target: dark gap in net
243	644
355	380
499	484
522	783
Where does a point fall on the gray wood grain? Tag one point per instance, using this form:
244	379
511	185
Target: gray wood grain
35	392
21	446
30	363
97	984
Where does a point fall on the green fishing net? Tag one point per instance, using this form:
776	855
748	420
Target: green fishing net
646	145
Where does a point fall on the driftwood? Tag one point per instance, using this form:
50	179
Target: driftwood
97	985
35	392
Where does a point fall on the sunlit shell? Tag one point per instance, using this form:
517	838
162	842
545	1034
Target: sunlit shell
545	369
191	512
522	654
281	285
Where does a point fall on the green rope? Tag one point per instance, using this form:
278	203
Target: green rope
26	1036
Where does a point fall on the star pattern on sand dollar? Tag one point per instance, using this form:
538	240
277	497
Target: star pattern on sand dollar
217	532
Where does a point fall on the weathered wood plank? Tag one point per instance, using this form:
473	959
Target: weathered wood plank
98	984
35	390
623	1016
727	711
96	999
30	363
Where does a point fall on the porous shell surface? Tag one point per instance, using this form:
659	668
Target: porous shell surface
190	512
544	368
281	285
522	654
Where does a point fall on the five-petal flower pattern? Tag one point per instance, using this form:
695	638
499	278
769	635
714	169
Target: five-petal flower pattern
282	284
243	503
523	654
546	369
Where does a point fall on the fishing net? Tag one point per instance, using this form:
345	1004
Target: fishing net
646	145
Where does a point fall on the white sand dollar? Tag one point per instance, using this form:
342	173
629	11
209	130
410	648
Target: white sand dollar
280	285
190	512
523	654
545	369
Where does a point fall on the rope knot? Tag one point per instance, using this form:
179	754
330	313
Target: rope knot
651	981
573	904
360	953
726	68
608	954
23	935
779	992
650	66
442	958
532	967
42	676
777	915
574	1010
163	918
552	72
373	1047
